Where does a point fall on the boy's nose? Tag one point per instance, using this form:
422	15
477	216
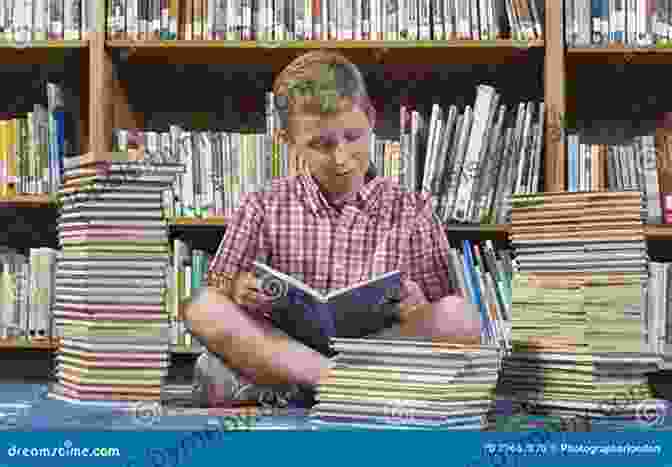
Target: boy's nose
340	156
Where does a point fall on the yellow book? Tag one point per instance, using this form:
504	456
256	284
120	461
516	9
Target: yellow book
173	18
188	19
29	154
12	150
3	159
197	23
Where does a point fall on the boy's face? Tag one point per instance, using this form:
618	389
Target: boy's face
334	145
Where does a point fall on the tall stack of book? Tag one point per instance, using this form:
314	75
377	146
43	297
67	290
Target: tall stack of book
110	306
408	384
580	330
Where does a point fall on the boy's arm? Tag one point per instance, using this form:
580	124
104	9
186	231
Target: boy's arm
447	316
239	246
428	256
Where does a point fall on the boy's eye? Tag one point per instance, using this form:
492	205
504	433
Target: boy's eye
349	136
318	143
353	135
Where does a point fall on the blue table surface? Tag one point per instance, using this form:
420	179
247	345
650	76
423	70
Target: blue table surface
27	407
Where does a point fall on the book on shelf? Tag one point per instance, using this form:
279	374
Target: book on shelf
625	23
473	162
27	291
42	20
642	164
220	168
314	317
297	20
185	276
33	146
667	208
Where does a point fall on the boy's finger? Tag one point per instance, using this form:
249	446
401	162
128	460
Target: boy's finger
258	297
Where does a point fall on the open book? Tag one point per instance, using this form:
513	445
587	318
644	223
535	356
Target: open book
313	318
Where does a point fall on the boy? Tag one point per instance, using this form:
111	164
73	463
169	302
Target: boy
331	226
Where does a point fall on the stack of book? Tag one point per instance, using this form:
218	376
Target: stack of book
405	383
110	306
580	332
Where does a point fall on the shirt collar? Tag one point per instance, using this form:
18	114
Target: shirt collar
367	198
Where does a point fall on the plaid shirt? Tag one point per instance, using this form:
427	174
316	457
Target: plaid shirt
291	227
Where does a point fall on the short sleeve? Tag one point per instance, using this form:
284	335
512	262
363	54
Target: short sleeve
428	259
238	248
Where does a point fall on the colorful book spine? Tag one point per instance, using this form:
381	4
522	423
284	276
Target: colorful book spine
667	208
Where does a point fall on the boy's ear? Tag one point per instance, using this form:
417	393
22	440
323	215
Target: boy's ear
283	136
371	113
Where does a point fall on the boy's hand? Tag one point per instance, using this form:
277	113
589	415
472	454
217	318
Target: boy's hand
245	291
450	320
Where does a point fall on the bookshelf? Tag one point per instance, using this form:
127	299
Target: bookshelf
278	54
41	52
21	344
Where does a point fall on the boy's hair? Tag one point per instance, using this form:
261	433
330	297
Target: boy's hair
320	77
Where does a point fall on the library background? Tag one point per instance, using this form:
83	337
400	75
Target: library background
131	130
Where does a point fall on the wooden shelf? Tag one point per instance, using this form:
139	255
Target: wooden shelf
209	221
278	53
44	45
16	344
179	349
38	52
619	55
27	201
221	221
658	232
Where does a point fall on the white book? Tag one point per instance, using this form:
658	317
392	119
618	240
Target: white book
19	23
456	174
430	155
40	19
475	149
